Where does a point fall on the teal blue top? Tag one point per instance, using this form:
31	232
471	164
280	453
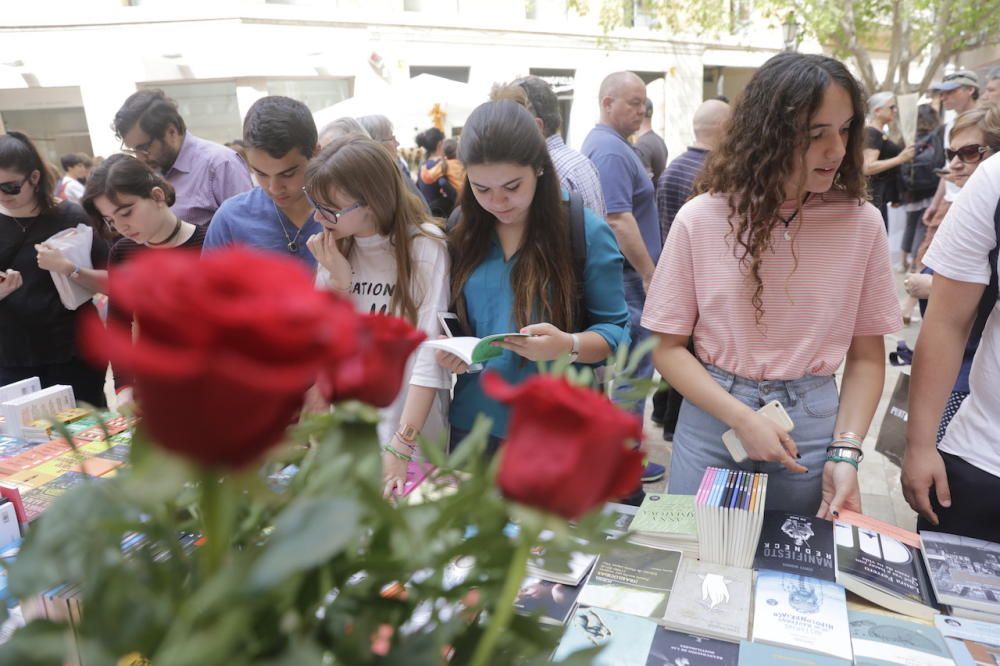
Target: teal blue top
489	302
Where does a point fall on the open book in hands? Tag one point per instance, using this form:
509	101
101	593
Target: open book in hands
473	350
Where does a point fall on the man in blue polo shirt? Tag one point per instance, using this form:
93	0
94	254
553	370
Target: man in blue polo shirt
630	199
280	135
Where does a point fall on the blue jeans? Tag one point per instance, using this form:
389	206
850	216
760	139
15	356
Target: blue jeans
812	404
635	297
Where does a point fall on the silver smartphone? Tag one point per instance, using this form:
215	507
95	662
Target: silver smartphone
451	326
772	410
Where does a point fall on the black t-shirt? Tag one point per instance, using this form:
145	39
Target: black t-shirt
126	248
35	327
883	184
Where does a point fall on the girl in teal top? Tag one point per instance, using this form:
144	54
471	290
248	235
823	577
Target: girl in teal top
512	264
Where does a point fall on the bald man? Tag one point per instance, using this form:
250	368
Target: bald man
628	195
677	181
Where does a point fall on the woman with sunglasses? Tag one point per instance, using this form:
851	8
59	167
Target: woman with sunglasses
951	475
381	249
974	137
37	332
882	155
779	272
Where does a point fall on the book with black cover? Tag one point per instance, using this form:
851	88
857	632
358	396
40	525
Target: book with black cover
674	647
884	571
553	601
632	579
797	544
965	572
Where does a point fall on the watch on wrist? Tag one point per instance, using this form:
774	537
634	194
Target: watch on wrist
407	433
575	351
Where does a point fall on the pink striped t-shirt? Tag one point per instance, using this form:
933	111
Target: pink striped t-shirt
831	282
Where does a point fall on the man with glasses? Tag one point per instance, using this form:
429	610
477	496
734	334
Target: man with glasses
280	137
204	174
959	92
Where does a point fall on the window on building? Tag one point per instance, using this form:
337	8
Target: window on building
209	108
315	93
55	131
460	74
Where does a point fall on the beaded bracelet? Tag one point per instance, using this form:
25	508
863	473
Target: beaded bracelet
392	450
842	459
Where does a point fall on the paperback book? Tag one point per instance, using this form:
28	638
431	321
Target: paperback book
632	579
671	648
883	570
553	602
965	572
797	544
473	350
623	514
880	640
710	600
626	639
666	521
729	507
759	654
970	642
801	613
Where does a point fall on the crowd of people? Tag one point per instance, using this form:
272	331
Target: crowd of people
754	258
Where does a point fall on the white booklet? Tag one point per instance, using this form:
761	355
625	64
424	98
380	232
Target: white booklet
473	350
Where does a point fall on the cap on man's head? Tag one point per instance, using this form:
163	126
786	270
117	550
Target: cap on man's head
962	77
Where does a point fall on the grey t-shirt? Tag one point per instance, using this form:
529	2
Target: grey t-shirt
653	153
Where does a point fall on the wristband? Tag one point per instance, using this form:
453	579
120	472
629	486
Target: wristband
575	350
392	451
846	452
837	459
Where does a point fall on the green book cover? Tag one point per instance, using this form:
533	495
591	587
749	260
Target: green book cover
666	514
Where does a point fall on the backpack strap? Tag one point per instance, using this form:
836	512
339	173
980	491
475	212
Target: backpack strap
992	292
578	242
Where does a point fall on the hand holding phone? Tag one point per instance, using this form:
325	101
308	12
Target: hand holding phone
775	413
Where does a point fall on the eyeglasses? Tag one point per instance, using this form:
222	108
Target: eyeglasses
141	149
894	108
13	188
968	154
330	215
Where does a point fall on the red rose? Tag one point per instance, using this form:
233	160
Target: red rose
375	373
567	449
227	346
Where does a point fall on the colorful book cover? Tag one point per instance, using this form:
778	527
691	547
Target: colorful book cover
971	642
671	648
626	639
880	640
710	599
886	564
802	613
552	601
965	572
759	654
796	544
666	514
632	579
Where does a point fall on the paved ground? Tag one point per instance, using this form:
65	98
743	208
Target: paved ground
881	494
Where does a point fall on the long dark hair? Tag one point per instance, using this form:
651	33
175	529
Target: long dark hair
365	170
766	135
543	278
18	153
122	174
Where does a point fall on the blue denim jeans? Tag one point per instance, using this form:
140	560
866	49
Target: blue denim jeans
812	404
635	297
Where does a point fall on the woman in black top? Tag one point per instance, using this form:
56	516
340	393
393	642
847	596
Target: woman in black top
883	155
127	195
37	332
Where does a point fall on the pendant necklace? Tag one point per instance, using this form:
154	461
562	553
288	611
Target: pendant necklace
788	222
293	243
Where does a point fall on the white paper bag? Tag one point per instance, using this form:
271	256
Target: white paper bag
75	245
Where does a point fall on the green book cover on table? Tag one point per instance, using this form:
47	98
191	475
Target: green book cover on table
632	579
880	640
662	514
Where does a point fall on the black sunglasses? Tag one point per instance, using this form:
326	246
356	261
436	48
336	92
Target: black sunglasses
12	187
969	154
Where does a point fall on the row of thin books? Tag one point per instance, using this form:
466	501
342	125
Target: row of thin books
729	507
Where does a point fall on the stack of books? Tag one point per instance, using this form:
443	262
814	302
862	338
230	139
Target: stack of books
729	508
666	521
965	574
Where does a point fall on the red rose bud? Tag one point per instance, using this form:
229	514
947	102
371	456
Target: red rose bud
227	346
375	373
568	448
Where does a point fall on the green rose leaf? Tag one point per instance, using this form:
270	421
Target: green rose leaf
309	532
